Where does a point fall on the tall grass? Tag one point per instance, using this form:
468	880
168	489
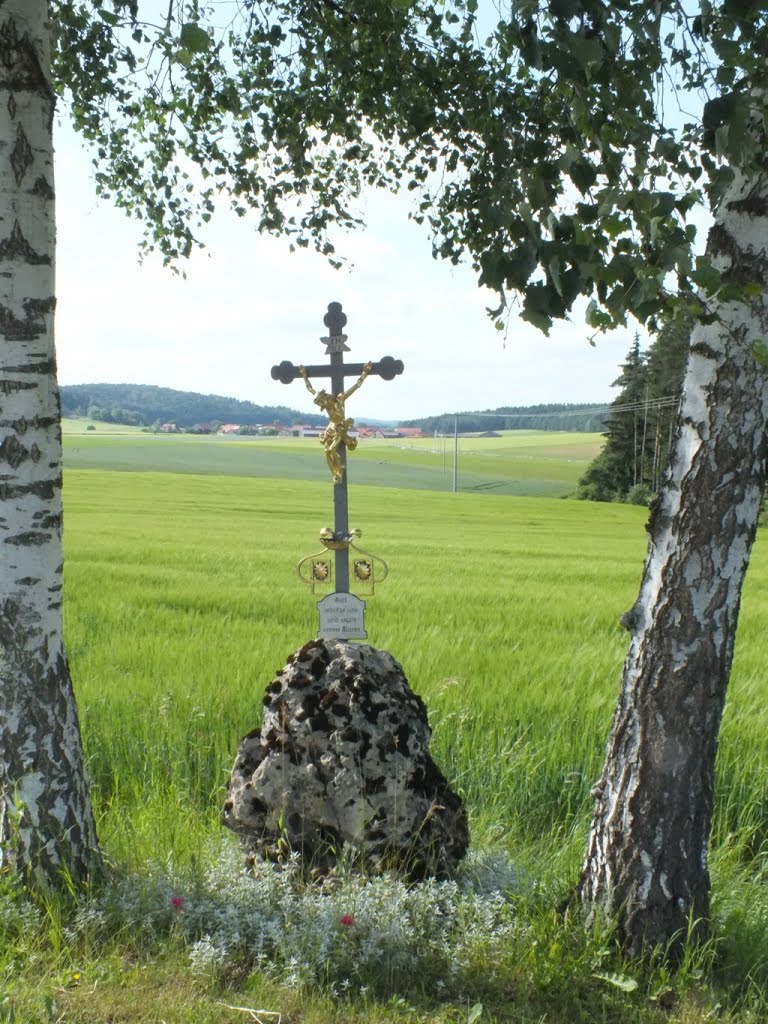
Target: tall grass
182	604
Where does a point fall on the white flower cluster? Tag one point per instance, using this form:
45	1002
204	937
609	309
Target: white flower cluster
17	915
377	932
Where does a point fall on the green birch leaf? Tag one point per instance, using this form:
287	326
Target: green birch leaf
564	8
537	319
588	52
194	39
554	272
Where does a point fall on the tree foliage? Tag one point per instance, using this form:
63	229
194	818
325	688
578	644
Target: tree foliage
544	141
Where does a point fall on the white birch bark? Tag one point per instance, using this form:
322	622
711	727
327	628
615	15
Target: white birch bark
646	860
46	824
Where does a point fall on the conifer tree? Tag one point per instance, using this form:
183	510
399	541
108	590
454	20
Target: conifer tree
620	465
639	425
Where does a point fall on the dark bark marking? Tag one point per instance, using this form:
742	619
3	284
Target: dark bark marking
48	520
46	367
28	581
12	106
631	618
42	188
753	204
32	326
20	69
21	426
10	387
702	349
41	305
746	267
21	156
31	538
13	452
9	615
43	489
16	247
658	519
720	242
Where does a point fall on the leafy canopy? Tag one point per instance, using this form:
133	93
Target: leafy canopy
560	145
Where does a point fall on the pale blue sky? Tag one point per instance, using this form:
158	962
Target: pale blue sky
247	303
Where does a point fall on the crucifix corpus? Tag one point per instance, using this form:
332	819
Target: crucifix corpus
341	612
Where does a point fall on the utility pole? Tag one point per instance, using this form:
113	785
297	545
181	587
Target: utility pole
455	454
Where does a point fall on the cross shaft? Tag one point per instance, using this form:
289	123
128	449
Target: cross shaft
335	438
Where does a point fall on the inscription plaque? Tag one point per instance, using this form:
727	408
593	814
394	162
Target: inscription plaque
342	617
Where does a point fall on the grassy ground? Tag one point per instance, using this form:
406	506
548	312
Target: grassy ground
182	604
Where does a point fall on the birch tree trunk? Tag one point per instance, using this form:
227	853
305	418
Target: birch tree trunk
46	823
646	859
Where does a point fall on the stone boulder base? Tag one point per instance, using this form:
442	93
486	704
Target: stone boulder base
342	758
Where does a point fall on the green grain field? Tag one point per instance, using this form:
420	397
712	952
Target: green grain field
182	603
545	464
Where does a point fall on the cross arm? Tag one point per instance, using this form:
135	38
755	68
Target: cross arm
387	368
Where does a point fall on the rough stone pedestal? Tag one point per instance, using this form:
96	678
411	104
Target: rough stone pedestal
342	757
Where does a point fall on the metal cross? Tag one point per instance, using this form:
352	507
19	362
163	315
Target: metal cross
387	368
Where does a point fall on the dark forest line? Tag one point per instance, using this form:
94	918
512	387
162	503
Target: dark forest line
148	405
581	418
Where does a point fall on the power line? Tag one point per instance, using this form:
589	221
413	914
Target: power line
666	402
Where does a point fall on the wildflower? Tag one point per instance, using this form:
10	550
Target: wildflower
177	902
346	920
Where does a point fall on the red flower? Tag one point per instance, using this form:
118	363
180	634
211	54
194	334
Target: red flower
177	902
347	920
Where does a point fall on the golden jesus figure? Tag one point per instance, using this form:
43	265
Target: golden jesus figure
336	434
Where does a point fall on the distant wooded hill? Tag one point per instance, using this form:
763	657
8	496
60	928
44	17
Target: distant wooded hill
147	404
580	418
